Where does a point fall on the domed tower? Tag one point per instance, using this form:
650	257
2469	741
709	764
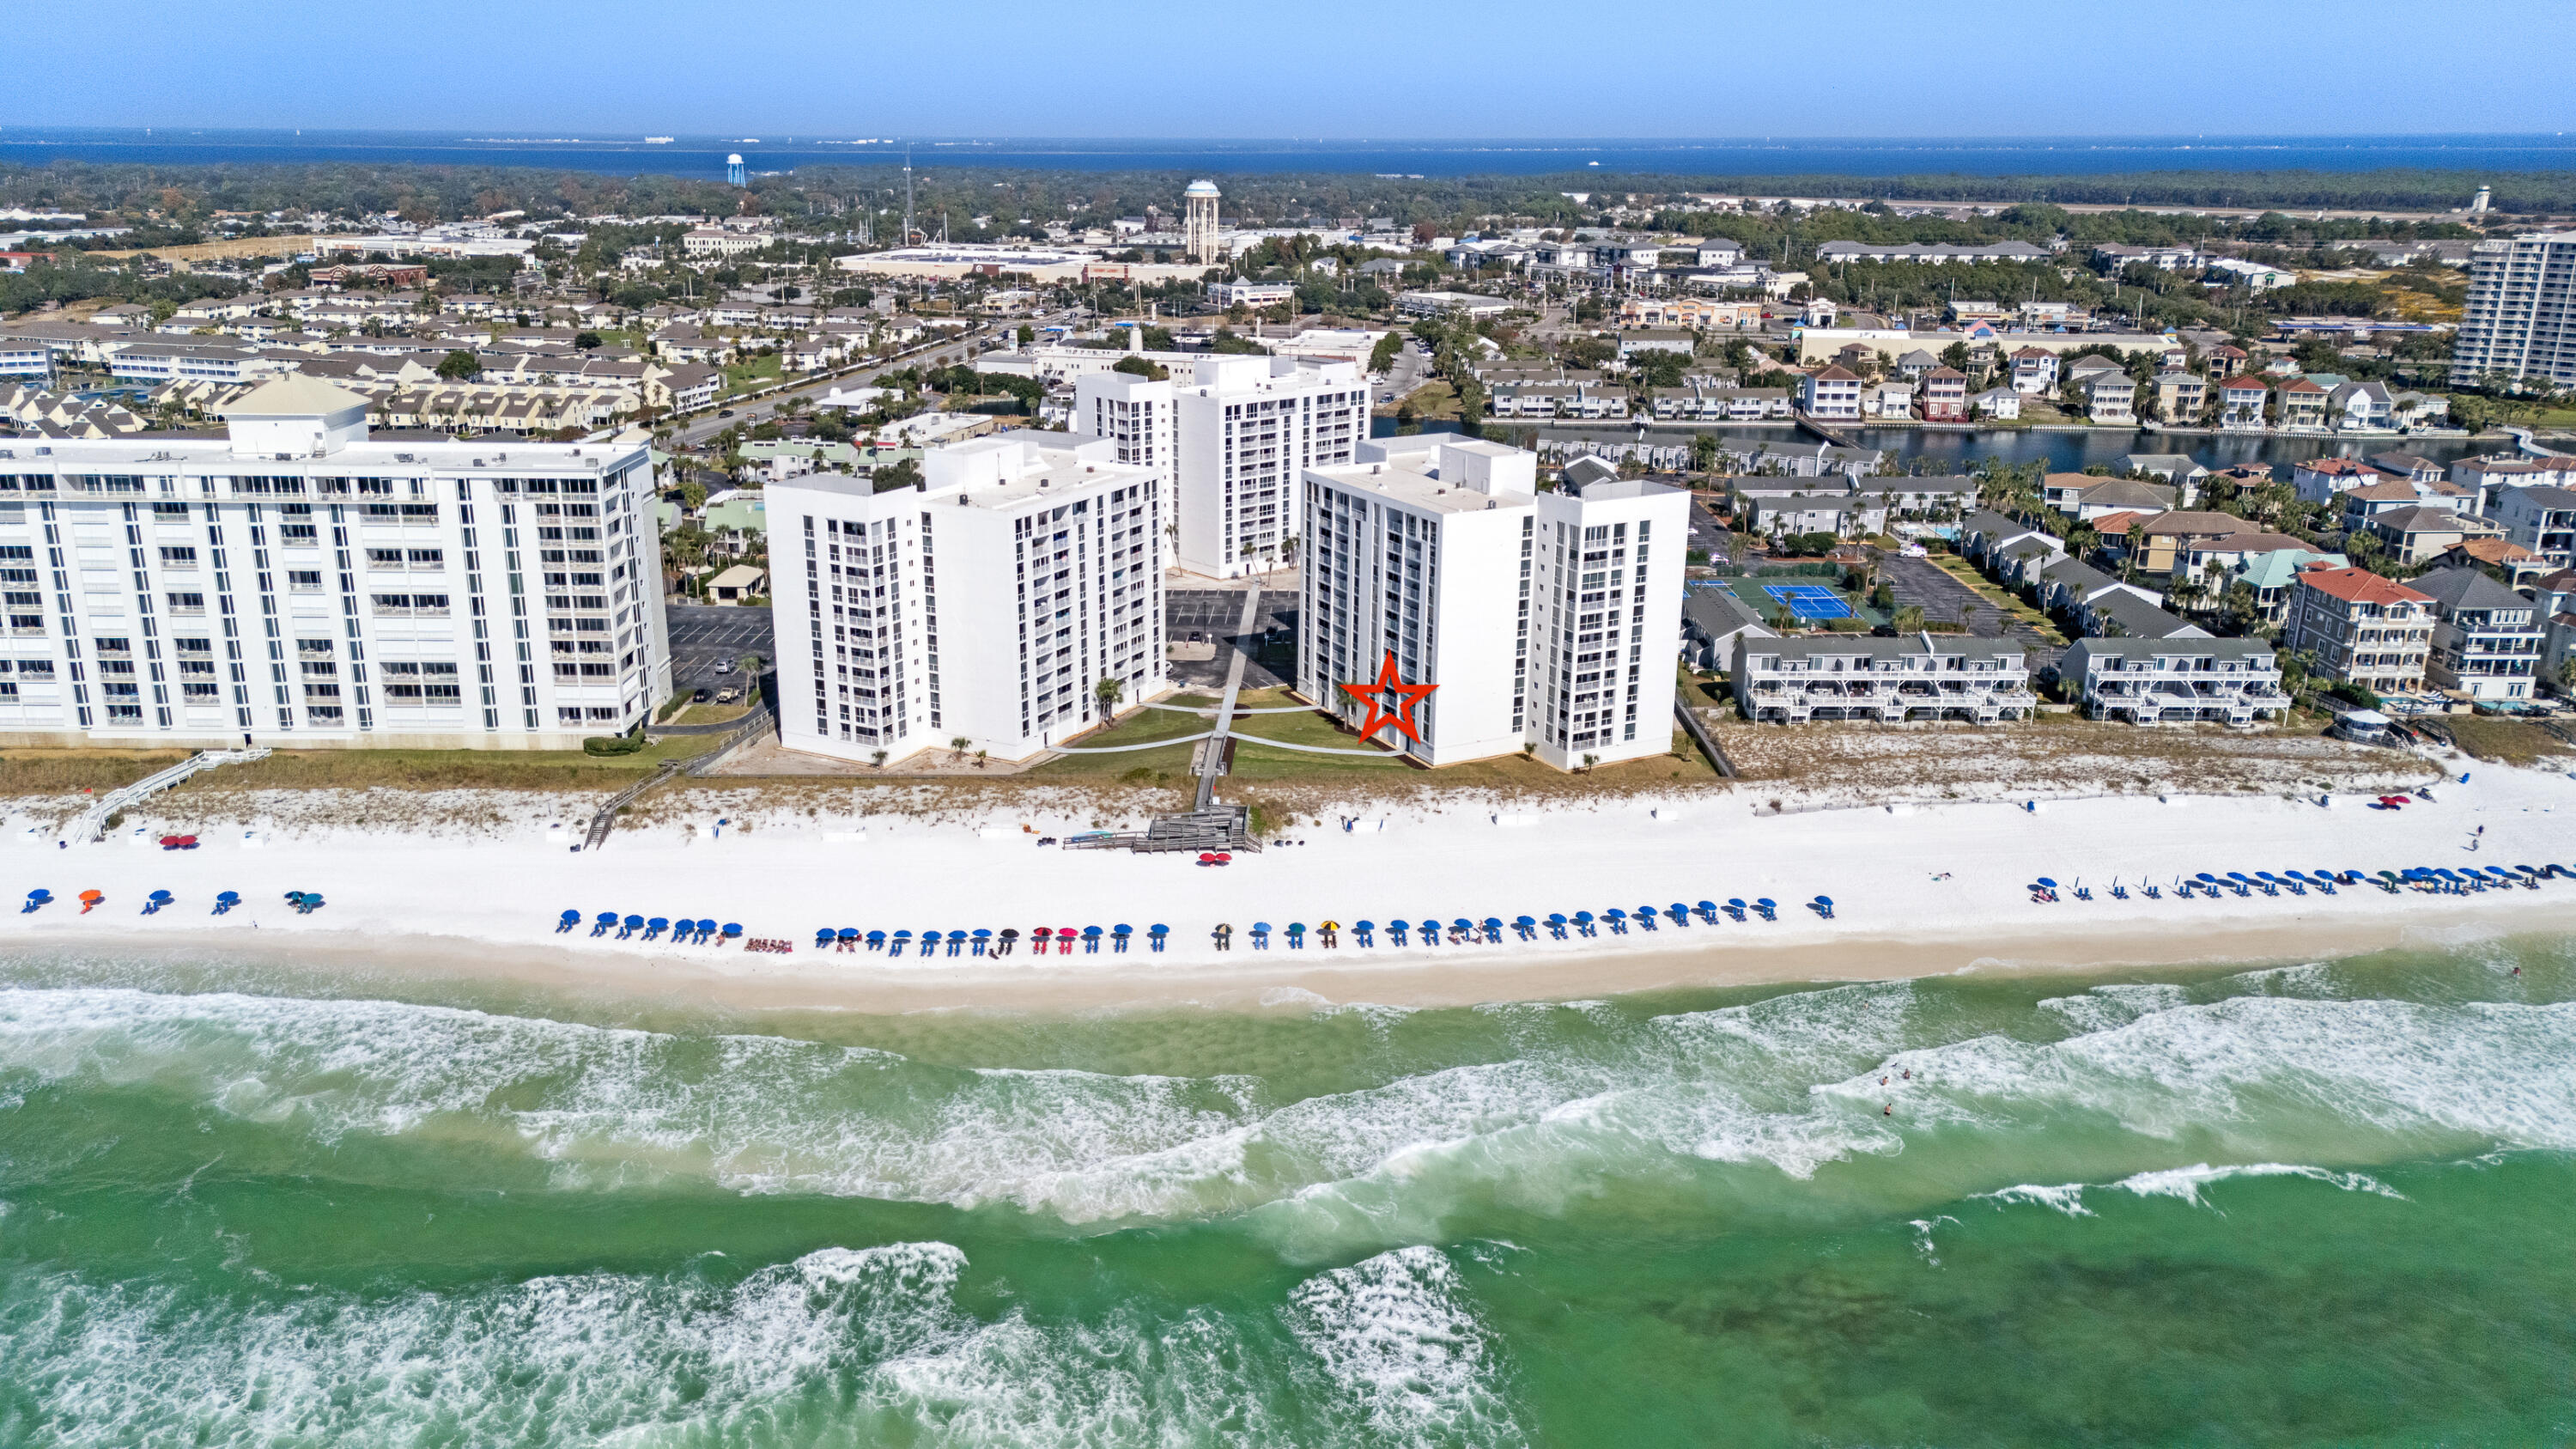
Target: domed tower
1198	222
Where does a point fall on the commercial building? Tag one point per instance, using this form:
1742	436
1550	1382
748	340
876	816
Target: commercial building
2520	316
993	601
1232	440
1251	294
1539	620
297	583
2358	628
2177	680
1862	677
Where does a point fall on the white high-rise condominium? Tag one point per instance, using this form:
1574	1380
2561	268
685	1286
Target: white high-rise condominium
1542	619
2519	321
1234	437
296	583
991	602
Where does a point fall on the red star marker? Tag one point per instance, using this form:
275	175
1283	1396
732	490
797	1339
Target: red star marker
1375	695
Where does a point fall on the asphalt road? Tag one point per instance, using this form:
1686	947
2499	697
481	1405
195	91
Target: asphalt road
706	425
703	634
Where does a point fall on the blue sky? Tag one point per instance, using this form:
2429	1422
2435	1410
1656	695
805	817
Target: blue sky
1324	69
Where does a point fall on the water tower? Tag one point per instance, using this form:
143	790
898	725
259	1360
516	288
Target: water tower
733	170
1198	222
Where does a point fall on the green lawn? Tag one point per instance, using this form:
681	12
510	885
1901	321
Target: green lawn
1987	589
741	377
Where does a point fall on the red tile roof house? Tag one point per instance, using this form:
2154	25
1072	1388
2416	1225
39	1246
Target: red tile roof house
2359	628
2240	403
2303	406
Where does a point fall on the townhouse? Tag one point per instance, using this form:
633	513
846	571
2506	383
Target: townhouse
2487	638
2358	628
2176	680
1813	677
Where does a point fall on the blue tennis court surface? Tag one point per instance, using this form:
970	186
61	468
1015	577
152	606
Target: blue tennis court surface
1809	601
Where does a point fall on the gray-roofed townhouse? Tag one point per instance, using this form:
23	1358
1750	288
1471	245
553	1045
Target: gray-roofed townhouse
1886	680
2486	637
2177	679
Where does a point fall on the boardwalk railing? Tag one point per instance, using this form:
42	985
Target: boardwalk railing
91	824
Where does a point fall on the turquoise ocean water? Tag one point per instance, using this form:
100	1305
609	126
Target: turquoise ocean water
2315	1205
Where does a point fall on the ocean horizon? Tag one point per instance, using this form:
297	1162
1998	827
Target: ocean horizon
704	156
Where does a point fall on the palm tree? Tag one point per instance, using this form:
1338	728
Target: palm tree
1109	691
957	749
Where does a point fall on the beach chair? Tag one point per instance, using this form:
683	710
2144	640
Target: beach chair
1768	908
1556	927
1493	930
1647	919
1364	933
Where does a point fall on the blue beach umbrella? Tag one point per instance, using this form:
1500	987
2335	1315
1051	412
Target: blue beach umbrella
706	926
604	918
569	918
825	937
1430	929
233	898
1158	930
848	933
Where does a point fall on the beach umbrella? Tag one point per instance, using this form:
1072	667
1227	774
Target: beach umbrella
1708	910
234	898
1296	928
825	936
1261	928
1679	911
732	930
1493	923
568	918
707	927
1429	931
1363	926
159	896
1090	931
877	938
907	935
1556	918
983	935
1615	914
1166	930
634	923
957	935
1583	918
846	933
1462	924
1766	906
2052	885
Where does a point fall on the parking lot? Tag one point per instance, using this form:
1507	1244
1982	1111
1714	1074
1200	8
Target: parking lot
704	634
1213	614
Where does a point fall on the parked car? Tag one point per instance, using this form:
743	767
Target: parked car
702	696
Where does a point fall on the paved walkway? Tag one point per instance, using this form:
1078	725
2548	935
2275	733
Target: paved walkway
1215	752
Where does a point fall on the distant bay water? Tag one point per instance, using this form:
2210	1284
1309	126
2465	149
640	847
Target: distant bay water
704	156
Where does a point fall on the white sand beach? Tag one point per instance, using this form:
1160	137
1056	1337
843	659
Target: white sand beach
1918	890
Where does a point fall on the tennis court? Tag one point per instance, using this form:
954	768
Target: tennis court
1809	601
